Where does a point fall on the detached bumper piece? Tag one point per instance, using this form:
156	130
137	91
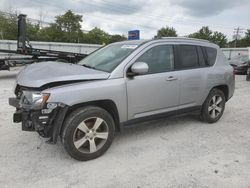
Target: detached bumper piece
14	102
47	121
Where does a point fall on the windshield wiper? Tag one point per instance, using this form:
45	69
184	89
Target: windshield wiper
88	66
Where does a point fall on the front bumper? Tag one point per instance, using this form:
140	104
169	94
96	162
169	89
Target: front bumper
47	121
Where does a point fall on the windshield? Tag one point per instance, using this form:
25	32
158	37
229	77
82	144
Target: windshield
109	57
241	58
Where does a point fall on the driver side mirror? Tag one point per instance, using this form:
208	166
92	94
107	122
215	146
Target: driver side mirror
138	68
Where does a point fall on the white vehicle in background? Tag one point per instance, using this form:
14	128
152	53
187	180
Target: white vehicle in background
235	57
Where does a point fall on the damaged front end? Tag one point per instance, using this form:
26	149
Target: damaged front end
35	114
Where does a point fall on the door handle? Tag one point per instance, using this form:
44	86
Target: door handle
171	78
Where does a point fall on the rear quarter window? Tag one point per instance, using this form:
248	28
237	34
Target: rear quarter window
211	54
202	59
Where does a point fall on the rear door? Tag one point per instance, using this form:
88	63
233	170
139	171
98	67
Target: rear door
193	74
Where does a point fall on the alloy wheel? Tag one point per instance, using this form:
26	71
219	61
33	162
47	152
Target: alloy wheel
215	106
90	135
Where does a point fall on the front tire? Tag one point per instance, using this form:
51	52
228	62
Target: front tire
213	107
88	132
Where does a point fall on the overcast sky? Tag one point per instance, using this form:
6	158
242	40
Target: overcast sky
119	16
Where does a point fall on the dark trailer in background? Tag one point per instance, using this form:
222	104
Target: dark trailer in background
35	55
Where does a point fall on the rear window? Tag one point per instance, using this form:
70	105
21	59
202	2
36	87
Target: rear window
202	60
211	54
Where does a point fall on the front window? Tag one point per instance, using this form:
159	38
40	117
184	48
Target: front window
159	59
109	57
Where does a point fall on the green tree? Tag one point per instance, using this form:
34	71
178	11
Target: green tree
245	41
207	34
8	27
219	38
70	25
67	28
97	36
204	33
32	31
116	38
51	34
166	32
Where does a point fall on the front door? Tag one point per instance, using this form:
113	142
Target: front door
158	90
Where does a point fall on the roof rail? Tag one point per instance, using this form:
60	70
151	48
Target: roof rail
186	38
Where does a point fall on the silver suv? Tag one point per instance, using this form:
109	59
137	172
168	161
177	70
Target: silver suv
120	85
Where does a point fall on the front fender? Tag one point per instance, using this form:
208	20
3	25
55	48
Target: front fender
73	94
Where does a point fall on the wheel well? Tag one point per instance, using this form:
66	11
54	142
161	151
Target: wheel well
108	105
224	89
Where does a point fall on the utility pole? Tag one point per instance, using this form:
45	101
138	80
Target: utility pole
237	32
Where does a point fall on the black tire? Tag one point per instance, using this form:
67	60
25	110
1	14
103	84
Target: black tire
71	125
248	74
207	115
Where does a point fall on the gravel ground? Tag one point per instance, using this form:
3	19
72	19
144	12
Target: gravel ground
176	152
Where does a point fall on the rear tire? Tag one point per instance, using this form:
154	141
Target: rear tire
213	107
88	132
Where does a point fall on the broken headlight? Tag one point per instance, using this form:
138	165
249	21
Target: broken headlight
34	99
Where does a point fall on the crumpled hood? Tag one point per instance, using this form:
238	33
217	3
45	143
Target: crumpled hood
39	74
